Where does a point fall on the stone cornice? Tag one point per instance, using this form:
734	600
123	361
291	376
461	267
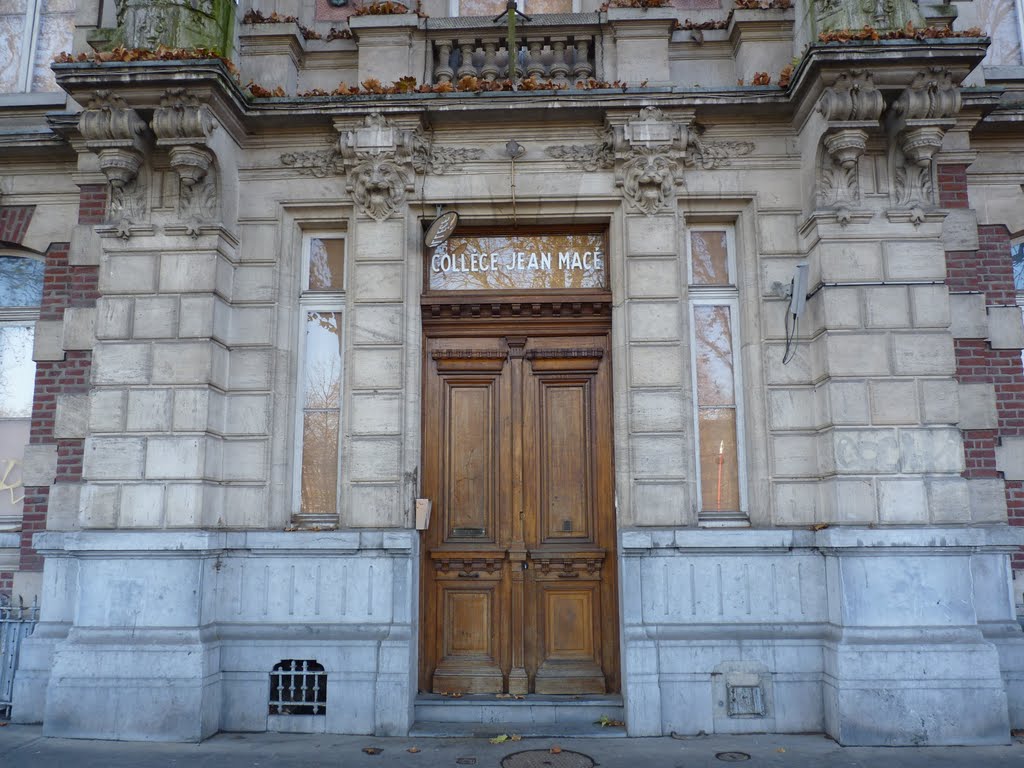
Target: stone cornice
893	64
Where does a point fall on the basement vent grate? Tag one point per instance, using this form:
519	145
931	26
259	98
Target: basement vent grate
745	701
298	687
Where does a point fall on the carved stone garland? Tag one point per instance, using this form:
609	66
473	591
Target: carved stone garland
116	133
183	126
918	120
852	107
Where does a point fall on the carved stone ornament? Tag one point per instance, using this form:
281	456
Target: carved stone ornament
852	107
428	158
183	125
378	159
649	152
649	179
919	119
856	14
116	133
588	157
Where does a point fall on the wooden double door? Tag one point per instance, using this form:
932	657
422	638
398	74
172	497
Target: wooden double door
518	581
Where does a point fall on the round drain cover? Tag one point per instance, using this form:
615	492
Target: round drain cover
543	758
732	757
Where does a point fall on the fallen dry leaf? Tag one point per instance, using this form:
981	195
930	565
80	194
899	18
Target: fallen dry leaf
555	750
372	750
500	739
515	737
414	750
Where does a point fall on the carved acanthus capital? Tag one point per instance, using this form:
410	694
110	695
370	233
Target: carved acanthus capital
378	157
115	132
183	125
918	121
853	96
923	113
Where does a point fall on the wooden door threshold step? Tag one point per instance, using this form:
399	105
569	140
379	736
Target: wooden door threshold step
533	715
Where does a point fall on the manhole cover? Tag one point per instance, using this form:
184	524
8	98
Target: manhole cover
543	758
732	757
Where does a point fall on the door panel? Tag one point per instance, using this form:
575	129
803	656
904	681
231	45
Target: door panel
519	572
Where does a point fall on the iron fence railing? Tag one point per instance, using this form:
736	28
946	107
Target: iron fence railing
16	623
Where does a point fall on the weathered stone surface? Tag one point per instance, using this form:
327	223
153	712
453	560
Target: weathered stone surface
79	328
978	406
1010	458
1005	329
72	419
968	316
49	340
39	464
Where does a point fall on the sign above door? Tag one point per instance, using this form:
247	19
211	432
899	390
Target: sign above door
519	262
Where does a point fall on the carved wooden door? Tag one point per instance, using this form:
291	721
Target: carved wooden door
519	565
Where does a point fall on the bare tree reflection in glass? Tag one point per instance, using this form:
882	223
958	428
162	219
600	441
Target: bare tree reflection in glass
321	412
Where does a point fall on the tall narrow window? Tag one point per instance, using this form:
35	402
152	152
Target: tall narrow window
718	423
320	378
21	291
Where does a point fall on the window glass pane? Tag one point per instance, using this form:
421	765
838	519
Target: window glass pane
719	469
12	31
56	27
21	282
709	255
713	340
1017	254
17	371
548	6
481	7
320	461
323	360
13	439
321	415
326	264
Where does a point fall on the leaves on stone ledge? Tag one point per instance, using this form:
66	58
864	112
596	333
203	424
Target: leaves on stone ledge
764	5
869	34
160	53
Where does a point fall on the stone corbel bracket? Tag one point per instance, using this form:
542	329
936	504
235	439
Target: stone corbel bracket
650	151
118	136
917	122
378	158
183	126
851	107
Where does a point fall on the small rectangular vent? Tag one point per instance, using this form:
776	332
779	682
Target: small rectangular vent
298	687
745	701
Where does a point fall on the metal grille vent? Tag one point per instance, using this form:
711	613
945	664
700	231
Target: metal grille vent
746	701
298	687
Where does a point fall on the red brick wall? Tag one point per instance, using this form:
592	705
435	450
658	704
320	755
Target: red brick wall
6	582
64	286
988	270
14	221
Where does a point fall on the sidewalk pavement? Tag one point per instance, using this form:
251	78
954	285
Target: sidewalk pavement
24	746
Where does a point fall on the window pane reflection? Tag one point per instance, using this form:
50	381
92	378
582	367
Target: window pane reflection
713	333
326	264
17	371
321	412
709	255
719	471
21	281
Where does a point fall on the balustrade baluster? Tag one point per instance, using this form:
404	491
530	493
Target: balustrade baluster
559	63
443	72
582	69
489	71
466	68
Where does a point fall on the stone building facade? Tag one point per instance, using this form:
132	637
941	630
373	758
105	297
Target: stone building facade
658	488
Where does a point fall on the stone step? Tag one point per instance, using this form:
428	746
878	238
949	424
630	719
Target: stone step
484	715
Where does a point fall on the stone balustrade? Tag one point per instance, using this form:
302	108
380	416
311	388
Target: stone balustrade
565	55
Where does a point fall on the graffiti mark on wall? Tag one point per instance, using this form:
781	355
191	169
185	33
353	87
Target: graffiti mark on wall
9	484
